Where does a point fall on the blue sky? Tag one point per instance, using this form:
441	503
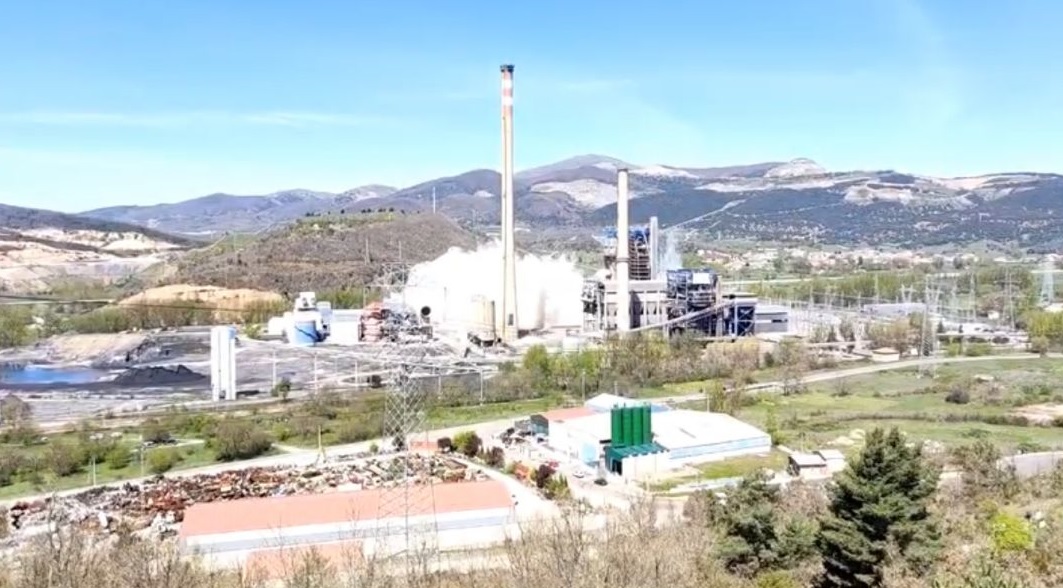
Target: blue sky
143	101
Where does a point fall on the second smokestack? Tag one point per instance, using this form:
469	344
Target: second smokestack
623	286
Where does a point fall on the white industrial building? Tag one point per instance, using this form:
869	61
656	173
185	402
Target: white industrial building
448	515
693	436
679	437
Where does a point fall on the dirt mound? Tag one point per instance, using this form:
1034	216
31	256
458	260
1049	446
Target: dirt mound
103	348
326	252
212	296
158	376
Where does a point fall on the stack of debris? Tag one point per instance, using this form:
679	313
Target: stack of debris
159	504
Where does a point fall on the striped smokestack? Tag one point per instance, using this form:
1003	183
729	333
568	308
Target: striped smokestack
509	257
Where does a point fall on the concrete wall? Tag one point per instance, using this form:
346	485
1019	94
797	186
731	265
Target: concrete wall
448	527
644	467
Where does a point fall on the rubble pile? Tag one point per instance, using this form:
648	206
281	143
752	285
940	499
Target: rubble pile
158	505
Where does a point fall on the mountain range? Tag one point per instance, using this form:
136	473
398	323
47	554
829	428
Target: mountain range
798	199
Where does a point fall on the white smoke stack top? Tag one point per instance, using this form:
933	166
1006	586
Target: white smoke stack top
510	323
623	288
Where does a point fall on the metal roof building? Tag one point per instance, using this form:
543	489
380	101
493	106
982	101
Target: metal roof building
606	402
255	524
693	436
689	436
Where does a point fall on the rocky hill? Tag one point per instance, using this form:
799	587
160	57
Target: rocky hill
796	199
38	247
219	213
322	252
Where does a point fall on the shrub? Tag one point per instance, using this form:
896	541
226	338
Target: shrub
154	431
1010	533
234	440
10	463
65	459
958	396
495	458
444	445
354	431
468	443
118	457
161	461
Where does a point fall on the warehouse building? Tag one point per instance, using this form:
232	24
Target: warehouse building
673	438
462	514
694	436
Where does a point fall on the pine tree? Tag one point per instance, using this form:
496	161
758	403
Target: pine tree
879	506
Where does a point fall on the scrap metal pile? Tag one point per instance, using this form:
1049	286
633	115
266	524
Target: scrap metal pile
159	504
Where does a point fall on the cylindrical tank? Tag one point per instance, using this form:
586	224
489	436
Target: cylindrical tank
629	426
636	436
304	333
483	318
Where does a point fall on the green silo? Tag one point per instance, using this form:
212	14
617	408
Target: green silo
648	423
637	412
616	431
644	425
629	426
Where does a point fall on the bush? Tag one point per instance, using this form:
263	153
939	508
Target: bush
1010	533
495	458
118	457
161	461
468	443
282	388
65	459
444	445
10	463
354	431
154	431
234	440
958	396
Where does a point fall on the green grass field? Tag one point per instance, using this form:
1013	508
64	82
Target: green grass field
192	456
917	404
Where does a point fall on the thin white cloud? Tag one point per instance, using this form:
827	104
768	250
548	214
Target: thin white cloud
293	119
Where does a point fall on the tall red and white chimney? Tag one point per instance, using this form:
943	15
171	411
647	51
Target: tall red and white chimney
509	257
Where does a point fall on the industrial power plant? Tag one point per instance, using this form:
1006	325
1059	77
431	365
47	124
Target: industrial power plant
634	291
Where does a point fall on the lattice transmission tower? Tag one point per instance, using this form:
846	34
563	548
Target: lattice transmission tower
928	336
1048	283
407	511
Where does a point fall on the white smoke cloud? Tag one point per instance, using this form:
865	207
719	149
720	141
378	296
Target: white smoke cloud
548	288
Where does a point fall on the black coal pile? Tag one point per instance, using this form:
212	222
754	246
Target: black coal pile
158	376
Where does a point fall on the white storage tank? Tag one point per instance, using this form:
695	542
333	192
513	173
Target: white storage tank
483	318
